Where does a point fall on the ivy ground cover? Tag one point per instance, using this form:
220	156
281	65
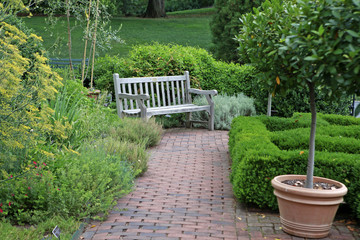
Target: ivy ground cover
264	147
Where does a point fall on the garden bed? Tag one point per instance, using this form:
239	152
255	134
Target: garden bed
262	148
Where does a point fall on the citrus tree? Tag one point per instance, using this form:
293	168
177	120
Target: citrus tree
308	43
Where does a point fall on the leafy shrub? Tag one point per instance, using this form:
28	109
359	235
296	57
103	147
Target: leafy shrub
207	73
89	181
65	118
131	7
134	153
225	26
138	131
226	108
26	198
26	84
256	160
164	60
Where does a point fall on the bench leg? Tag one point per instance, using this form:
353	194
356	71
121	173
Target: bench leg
188	120
211	119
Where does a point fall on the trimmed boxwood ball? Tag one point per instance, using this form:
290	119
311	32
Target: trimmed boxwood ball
255	143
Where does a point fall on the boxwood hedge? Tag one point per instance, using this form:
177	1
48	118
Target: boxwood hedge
262	148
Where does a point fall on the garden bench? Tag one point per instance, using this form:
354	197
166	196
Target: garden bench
64	62
150	96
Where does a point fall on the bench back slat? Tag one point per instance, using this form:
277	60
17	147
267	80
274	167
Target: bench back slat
164	91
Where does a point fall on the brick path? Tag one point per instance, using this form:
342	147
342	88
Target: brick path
186	194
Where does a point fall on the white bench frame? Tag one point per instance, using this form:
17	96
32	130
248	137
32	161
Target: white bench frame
150	96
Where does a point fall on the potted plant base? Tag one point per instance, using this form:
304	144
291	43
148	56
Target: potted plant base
306	212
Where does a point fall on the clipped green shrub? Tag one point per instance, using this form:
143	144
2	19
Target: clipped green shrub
256	158
207	73
226	108
299	139
299	120
163	60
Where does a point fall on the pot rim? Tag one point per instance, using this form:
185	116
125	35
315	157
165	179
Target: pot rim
276	182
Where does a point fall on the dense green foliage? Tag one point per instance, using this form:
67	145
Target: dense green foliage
257	157
226	109
311	43
225	26
162	60
63	155
207	73
291	43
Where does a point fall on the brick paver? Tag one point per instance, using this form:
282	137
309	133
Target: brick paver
186	194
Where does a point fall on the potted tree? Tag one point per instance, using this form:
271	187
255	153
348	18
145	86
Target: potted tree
312	44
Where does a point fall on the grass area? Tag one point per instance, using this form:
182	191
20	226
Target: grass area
181	28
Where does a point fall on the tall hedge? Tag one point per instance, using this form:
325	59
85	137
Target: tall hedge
162	60
225	26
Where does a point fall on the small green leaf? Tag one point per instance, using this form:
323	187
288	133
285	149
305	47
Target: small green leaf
352	33
332	70
338	51
272	53
356	2
311	58
321	30
347	181
356	70
336	14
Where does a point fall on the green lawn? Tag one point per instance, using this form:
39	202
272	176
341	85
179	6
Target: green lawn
178	28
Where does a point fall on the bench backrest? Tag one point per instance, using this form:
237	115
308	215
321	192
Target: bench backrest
163	91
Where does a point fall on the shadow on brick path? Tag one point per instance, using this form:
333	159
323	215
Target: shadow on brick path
186	194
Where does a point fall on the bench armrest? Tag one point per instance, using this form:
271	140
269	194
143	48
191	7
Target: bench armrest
203	92
134	96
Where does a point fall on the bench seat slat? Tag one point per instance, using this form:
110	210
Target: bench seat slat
171	109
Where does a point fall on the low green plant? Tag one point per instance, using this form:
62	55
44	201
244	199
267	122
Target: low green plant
42	230
89	181
226	109
134	153
25	198
138	131
66	116
257	158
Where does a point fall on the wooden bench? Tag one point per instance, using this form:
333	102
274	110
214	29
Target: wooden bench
149	96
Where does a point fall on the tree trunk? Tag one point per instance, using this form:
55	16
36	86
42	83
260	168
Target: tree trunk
94	44
269	105
86	41
69	35
311	158
155	9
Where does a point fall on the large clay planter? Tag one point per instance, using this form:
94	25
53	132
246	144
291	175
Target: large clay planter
305	212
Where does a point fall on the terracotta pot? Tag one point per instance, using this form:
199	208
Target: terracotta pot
93	94
305	212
